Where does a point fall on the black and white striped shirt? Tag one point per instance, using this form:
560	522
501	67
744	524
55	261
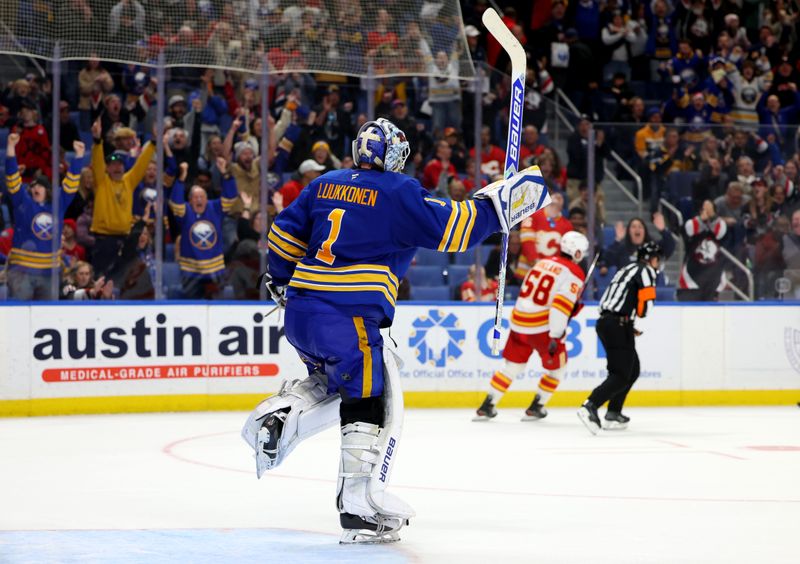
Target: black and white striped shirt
632	290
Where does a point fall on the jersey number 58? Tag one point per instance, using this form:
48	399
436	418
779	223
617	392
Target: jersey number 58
539	285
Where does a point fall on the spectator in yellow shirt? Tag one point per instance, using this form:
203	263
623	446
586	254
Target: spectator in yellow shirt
113	199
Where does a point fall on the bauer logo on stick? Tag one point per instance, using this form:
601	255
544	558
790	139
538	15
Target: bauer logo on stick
512	158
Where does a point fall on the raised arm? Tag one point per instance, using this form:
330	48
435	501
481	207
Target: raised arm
98	154
177	199
13	178
69	186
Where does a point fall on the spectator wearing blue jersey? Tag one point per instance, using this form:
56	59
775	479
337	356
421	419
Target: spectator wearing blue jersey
200	220
32	258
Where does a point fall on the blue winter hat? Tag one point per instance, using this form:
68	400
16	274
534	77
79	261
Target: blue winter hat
653	110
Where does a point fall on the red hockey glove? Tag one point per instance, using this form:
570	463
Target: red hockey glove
577	309
552	347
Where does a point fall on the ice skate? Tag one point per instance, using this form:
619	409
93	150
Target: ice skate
588	416
536	410
614	420
377	529
486	411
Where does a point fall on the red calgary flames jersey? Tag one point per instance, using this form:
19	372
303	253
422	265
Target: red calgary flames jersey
541	238
547	297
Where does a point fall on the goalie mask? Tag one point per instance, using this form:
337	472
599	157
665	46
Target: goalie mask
381	144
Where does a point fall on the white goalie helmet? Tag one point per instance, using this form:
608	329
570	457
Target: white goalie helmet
382	144
572	242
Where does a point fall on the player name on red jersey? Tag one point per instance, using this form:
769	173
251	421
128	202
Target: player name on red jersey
351	194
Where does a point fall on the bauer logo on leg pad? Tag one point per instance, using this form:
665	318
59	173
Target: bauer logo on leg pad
387	459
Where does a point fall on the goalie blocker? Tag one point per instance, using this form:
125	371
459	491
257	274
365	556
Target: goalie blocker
516	198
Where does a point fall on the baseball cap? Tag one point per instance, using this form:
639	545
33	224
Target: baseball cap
251	84
71	223
448	131
310	165
320	145
42	181
652	110
116	157
571	33
176	99
471	31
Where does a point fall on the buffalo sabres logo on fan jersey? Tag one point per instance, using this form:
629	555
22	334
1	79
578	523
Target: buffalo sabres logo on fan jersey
42	226
203	235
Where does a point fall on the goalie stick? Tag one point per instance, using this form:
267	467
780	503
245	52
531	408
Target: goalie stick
516	53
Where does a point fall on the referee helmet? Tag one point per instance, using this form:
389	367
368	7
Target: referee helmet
648	250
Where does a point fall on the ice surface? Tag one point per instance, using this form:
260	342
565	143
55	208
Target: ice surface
680	485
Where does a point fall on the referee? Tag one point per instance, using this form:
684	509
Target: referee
629	294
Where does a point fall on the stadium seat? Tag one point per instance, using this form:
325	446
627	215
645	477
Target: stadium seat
436	293
169	252
602	281
171	274
428	257
467	258
609	236
512	292
665	294
175	292
425	276
457	275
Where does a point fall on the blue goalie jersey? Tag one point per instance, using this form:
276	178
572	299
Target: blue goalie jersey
351	235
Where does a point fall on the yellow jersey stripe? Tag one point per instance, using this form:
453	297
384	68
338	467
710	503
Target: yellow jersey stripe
333	288
13	183
289	238
563	309
333	279
33	254
473	214
353	268
288	248
277	250
363	346
564	300
463	217
202	262
448	230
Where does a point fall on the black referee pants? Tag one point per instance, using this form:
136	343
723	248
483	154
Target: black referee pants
617	337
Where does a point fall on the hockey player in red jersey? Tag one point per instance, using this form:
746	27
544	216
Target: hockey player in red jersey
547	301
541	234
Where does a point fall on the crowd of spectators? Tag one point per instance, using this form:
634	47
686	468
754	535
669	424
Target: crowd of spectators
702	96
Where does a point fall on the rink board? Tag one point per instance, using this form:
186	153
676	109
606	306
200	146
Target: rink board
132	357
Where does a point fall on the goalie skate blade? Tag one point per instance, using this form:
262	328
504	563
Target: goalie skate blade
359	536
583	415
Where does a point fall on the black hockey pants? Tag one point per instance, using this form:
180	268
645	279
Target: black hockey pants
616	334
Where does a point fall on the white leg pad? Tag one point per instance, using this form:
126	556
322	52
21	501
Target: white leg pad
301	409
368	456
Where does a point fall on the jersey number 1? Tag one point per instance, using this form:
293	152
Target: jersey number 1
324	253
